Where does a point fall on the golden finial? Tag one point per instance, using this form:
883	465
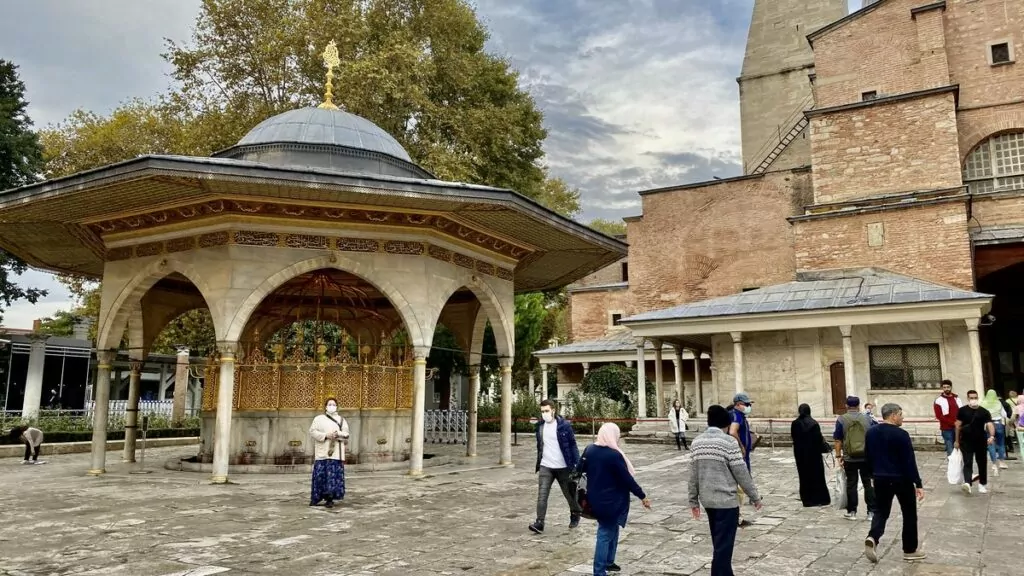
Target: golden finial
331	61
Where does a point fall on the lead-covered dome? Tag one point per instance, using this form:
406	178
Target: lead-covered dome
325	138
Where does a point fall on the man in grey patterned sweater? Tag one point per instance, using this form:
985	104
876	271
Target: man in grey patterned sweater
716	469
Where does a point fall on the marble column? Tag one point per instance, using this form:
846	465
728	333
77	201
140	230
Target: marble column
181	379
848	368
737	357
419	406
131	412
543	381
101	410
225	405
975	344
586	369
697	379
659	380
677	365
506	412
474	394
34	378
641	381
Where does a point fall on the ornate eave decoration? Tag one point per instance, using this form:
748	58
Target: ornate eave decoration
195	212
310	241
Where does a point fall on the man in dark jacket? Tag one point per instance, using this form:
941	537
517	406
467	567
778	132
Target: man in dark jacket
557	455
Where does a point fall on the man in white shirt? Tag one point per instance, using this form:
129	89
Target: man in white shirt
557	455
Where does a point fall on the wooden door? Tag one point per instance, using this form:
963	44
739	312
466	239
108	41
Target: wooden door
837	374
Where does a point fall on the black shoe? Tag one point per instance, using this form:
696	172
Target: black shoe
537	528
330	504
574	522
613	567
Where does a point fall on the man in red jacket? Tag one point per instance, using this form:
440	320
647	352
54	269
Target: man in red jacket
946	407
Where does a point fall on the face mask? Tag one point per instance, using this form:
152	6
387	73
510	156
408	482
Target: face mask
331	408
972	403
748	409
547	416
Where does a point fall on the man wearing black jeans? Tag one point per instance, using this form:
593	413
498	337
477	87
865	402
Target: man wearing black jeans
557	455
974	432
890	454
849	436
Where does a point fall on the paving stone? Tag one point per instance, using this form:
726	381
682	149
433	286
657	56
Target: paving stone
464	518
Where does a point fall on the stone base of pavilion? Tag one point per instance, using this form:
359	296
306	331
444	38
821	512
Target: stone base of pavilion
194	464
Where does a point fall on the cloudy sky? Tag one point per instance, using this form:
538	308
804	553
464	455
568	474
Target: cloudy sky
636	93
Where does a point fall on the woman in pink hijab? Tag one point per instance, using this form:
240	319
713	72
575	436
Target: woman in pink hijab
609	484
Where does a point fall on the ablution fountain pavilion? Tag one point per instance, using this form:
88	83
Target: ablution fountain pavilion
326	258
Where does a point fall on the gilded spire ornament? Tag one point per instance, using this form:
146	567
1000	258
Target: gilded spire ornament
331	61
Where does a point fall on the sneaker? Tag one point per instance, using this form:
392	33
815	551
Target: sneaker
613	567
915	555
537	528
850	515
26	461
574	522
869	550
995	470
982	489
870	516
966	488
1003	466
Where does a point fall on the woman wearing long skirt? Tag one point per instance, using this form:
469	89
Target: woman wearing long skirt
329	433
808	446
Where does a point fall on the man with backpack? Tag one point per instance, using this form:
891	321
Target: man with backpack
850	441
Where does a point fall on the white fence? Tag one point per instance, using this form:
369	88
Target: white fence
118	408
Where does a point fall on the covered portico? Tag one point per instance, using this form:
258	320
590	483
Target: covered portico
831	334
687	377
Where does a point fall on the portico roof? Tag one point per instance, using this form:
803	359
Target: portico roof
816	299
61	225
616	346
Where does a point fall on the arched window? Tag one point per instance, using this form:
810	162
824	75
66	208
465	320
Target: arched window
997	164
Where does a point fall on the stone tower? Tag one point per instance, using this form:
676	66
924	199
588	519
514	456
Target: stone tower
775	86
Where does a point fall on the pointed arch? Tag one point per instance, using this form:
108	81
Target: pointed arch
491	309
115	318
332	261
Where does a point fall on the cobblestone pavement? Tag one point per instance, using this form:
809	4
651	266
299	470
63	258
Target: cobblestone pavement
469	518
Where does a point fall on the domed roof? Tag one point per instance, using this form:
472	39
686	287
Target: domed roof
325	126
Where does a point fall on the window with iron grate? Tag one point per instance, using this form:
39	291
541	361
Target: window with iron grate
905	367
997	164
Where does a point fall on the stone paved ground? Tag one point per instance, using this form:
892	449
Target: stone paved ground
56	521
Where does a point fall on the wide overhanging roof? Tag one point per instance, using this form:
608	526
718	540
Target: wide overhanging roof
816	299
47	224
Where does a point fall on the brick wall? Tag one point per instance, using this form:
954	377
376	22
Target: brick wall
970	26
589	312
885	50
713	240
902	146
608	275
928	242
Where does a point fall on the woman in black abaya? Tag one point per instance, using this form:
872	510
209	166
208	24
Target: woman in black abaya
808	446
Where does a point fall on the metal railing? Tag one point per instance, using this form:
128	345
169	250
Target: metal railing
792	120
446	426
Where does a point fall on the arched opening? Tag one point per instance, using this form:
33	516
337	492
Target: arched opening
1002	339
323	333
996	164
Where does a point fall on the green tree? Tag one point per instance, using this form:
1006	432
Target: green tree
610	227
21	162
614	381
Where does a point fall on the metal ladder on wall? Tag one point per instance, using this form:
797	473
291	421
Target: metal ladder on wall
797	121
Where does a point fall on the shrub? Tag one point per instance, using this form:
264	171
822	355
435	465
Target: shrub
588	411
613	381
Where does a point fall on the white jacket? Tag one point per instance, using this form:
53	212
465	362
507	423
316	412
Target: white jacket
323	425
674	425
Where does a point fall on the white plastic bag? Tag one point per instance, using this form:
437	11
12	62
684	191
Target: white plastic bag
839	490
955	468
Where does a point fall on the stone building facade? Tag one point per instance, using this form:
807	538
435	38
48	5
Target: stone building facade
906	175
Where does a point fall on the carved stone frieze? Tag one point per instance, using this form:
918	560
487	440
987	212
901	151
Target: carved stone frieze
213	208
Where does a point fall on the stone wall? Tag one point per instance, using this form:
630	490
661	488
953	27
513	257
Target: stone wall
969	28
784	369
927	242
904	146
608	275
715	239
590	312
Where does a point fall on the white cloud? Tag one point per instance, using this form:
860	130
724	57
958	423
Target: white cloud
21	314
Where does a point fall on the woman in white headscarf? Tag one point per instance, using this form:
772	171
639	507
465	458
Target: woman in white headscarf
329	432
